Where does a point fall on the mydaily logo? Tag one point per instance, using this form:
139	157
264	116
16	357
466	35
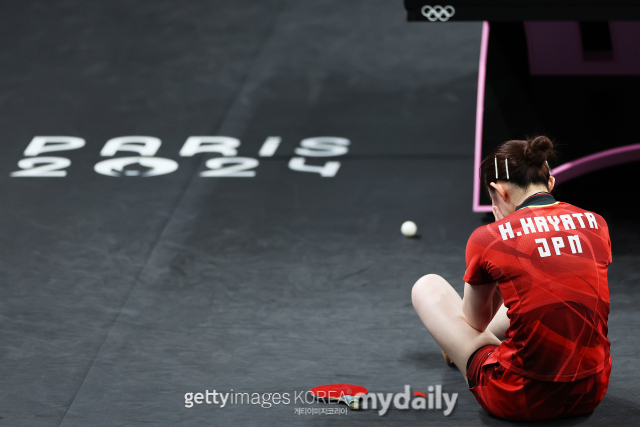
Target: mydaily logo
403	401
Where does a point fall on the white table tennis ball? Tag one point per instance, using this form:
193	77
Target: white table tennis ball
409	228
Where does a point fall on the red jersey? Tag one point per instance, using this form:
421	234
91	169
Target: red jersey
550	261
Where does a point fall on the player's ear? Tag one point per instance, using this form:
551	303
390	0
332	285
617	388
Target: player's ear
552	183
501	190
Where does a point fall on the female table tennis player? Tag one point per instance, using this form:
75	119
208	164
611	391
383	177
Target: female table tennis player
536	277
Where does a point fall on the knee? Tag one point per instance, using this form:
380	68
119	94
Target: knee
425	287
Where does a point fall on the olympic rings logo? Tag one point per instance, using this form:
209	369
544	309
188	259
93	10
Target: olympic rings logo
436	13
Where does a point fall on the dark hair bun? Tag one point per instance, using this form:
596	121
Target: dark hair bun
538	150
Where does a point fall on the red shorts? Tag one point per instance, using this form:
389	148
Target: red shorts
515	397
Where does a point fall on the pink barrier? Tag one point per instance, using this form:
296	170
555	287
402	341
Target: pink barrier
477	159
570	170
603	159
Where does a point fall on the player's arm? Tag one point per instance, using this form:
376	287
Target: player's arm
480	304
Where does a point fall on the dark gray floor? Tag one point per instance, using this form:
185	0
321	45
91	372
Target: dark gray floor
120	295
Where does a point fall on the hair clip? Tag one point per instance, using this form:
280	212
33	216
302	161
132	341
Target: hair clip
496	163
506	166
548	164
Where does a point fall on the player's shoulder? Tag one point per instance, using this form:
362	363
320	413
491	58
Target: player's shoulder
484	234
571	209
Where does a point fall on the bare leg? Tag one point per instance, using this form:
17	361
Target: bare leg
440	309
499	323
